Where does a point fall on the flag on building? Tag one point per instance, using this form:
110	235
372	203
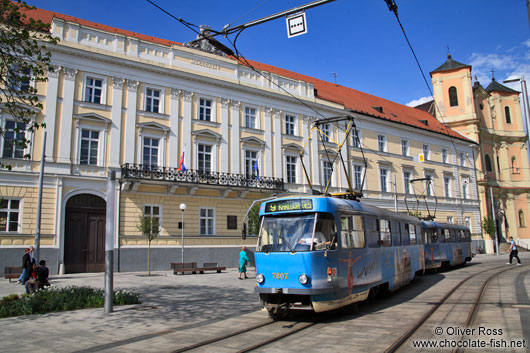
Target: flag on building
255	167
182	166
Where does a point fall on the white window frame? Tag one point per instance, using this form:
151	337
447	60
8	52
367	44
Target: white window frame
382	143
212	108
450	219
256	117
386	184
429	187
27	136
103	98
360	176
295	170
445	155
249	162
18	87
151	205
426	149
465	188
99	149
467	222
462	158
159	152
448	187
161	98
9	210
326	132
208	219
359	137
206	153
327	165
405	148
294	124
406	186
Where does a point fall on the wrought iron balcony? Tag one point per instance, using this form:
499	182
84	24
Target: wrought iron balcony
147	172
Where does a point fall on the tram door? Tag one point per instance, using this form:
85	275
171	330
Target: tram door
84	236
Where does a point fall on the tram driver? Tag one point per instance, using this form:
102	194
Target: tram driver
324	230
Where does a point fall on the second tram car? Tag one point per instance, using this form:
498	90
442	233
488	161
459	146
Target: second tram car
446	244
322	253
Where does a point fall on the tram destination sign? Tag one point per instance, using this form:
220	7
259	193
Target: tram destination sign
289	205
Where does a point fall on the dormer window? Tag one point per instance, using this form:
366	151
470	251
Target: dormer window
507	115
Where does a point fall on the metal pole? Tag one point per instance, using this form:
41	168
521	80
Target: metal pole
109	242
395	195
494	221
39	202
182	241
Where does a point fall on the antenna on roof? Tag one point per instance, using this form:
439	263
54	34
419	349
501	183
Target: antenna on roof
335	77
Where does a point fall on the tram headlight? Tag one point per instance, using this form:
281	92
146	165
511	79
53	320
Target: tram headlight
303	278
260	278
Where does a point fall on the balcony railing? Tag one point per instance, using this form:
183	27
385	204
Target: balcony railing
145	172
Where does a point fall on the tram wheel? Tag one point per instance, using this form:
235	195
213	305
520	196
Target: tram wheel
277	313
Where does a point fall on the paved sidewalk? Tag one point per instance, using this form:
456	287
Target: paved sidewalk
169	302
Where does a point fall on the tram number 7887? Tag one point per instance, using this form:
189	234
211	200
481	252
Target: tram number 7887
278	275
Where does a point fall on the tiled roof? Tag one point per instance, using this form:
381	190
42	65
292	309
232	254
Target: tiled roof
497	87
450	64
350	98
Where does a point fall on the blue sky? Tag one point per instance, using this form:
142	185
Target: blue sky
359	40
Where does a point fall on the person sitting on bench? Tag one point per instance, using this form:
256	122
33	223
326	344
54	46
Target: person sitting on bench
42	274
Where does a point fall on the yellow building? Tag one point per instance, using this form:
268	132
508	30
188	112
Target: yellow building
126	102
491	117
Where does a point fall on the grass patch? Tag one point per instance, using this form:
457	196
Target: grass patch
61	299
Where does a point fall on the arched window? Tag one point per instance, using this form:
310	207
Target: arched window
453	98
522	221
507	115
515	166
488	163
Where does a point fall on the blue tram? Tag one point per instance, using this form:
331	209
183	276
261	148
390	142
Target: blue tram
446	244
322	253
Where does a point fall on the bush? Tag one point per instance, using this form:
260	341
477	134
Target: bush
61	299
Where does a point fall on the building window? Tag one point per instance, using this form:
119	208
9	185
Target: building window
384	179
426	152
444	155
150	152
291	169
522	220
487	160
250	117
462	159
381	142
404	147
515	166
356	138
326	172
465	189
152	100
93	90
467	222
450	219
406	182
447	186
251	157
357	176
429	185
325	132
205	109
9	215
207	221
507	115
89	147
13	139
153	212
453	97
19	78
204	158
289	124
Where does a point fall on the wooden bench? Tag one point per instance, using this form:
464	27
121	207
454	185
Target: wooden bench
12	272
183	267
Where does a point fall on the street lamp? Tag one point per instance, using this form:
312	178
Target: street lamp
182	208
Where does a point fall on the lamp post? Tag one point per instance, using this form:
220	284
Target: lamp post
182	208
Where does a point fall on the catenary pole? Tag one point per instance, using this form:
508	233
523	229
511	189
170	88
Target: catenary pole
39	202
109	241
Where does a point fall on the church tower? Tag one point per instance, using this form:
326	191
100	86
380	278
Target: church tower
491	117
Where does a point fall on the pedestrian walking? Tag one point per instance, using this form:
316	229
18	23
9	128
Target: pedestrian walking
25	257
243	260
513	252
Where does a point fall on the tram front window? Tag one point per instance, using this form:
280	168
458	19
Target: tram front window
295	233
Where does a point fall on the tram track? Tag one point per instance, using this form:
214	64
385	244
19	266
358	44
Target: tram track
287	328
471	315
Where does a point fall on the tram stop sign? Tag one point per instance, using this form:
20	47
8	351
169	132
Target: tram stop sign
296	25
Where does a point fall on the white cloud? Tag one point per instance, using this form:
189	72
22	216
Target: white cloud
419	101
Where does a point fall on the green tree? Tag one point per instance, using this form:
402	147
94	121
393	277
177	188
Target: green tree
24	60
488	226
253	219
150	228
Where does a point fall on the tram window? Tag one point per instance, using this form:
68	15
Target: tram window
411	231
372	232
468	236
384	227
396	237
352	232
447	234
432	235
